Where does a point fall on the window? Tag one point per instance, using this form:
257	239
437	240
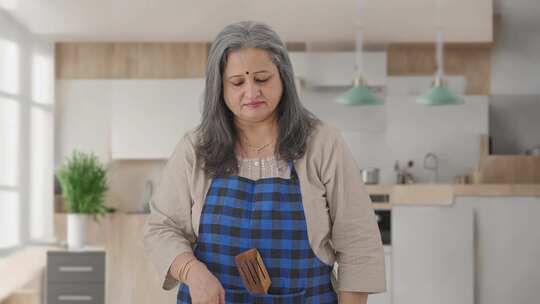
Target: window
10	134
9	143
9	213
10	63
26	139
41	178
42	143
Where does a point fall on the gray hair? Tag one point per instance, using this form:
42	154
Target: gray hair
216	132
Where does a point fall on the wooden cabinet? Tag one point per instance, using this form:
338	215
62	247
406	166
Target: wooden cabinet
507	248
130	276
337	68
149	117
506	169
75	277
130	60
127	119
433	255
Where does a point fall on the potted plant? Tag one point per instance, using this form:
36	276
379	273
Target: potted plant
83	182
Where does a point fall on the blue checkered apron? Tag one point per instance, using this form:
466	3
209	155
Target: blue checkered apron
267	214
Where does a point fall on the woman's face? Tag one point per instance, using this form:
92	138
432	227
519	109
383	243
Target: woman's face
252	86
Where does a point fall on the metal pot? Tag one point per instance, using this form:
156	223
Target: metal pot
370	176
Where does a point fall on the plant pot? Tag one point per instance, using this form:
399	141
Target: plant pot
76	230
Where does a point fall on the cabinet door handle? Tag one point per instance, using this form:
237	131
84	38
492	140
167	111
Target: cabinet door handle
74	298
75	268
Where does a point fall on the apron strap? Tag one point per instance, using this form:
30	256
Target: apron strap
294	176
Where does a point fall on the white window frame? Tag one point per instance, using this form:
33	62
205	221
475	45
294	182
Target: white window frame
30	46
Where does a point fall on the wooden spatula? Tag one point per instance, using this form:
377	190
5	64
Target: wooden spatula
253	272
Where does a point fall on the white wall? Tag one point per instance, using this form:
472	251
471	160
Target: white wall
514	123
515	107
401	130
404	130
515	59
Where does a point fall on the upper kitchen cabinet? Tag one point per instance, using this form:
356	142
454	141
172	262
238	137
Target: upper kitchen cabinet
130	60
337	68
149	117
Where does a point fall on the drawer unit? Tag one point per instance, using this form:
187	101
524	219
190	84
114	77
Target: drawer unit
75	267
67	293
75	277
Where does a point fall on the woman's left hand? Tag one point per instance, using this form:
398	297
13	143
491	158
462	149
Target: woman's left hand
347	297
204	287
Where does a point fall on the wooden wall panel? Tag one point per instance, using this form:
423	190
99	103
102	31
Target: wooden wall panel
83	60
470	60
130	60
110	60
507	169
296	46
510	169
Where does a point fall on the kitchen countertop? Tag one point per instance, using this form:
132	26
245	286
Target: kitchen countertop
20	268
444	194
433	194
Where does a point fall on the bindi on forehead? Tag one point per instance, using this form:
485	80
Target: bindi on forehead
247	73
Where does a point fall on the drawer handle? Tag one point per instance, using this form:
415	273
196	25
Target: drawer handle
74	298
76	268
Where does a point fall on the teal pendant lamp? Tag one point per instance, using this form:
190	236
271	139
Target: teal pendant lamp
439	94
359	94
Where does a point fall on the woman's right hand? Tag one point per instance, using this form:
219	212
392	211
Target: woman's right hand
204	287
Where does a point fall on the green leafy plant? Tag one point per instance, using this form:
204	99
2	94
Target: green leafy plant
84	184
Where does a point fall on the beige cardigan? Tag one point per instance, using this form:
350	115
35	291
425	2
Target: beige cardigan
340	219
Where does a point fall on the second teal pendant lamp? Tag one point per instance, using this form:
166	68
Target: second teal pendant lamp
359	94
439	94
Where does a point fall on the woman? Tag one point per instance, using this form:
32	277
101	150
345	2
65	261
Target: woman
262	172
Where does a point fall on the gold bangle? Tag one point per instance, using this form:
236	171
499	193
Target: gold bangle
182	272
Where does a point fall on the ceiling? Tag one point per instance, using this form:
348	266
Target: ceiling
295	20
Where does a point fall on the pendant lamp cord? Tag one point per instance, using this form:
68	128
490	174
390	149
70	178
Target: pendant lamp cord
359	39
440	41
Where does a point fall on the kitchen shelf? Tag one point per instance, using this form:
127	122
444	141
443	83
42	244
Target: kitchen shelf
382	206
511	169
444	194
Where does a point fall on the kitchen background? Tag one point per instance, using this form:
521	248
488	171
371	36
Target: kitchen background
97	79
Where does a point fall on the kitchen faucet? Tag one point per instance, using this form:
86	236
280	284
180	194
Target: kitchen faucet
431	162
